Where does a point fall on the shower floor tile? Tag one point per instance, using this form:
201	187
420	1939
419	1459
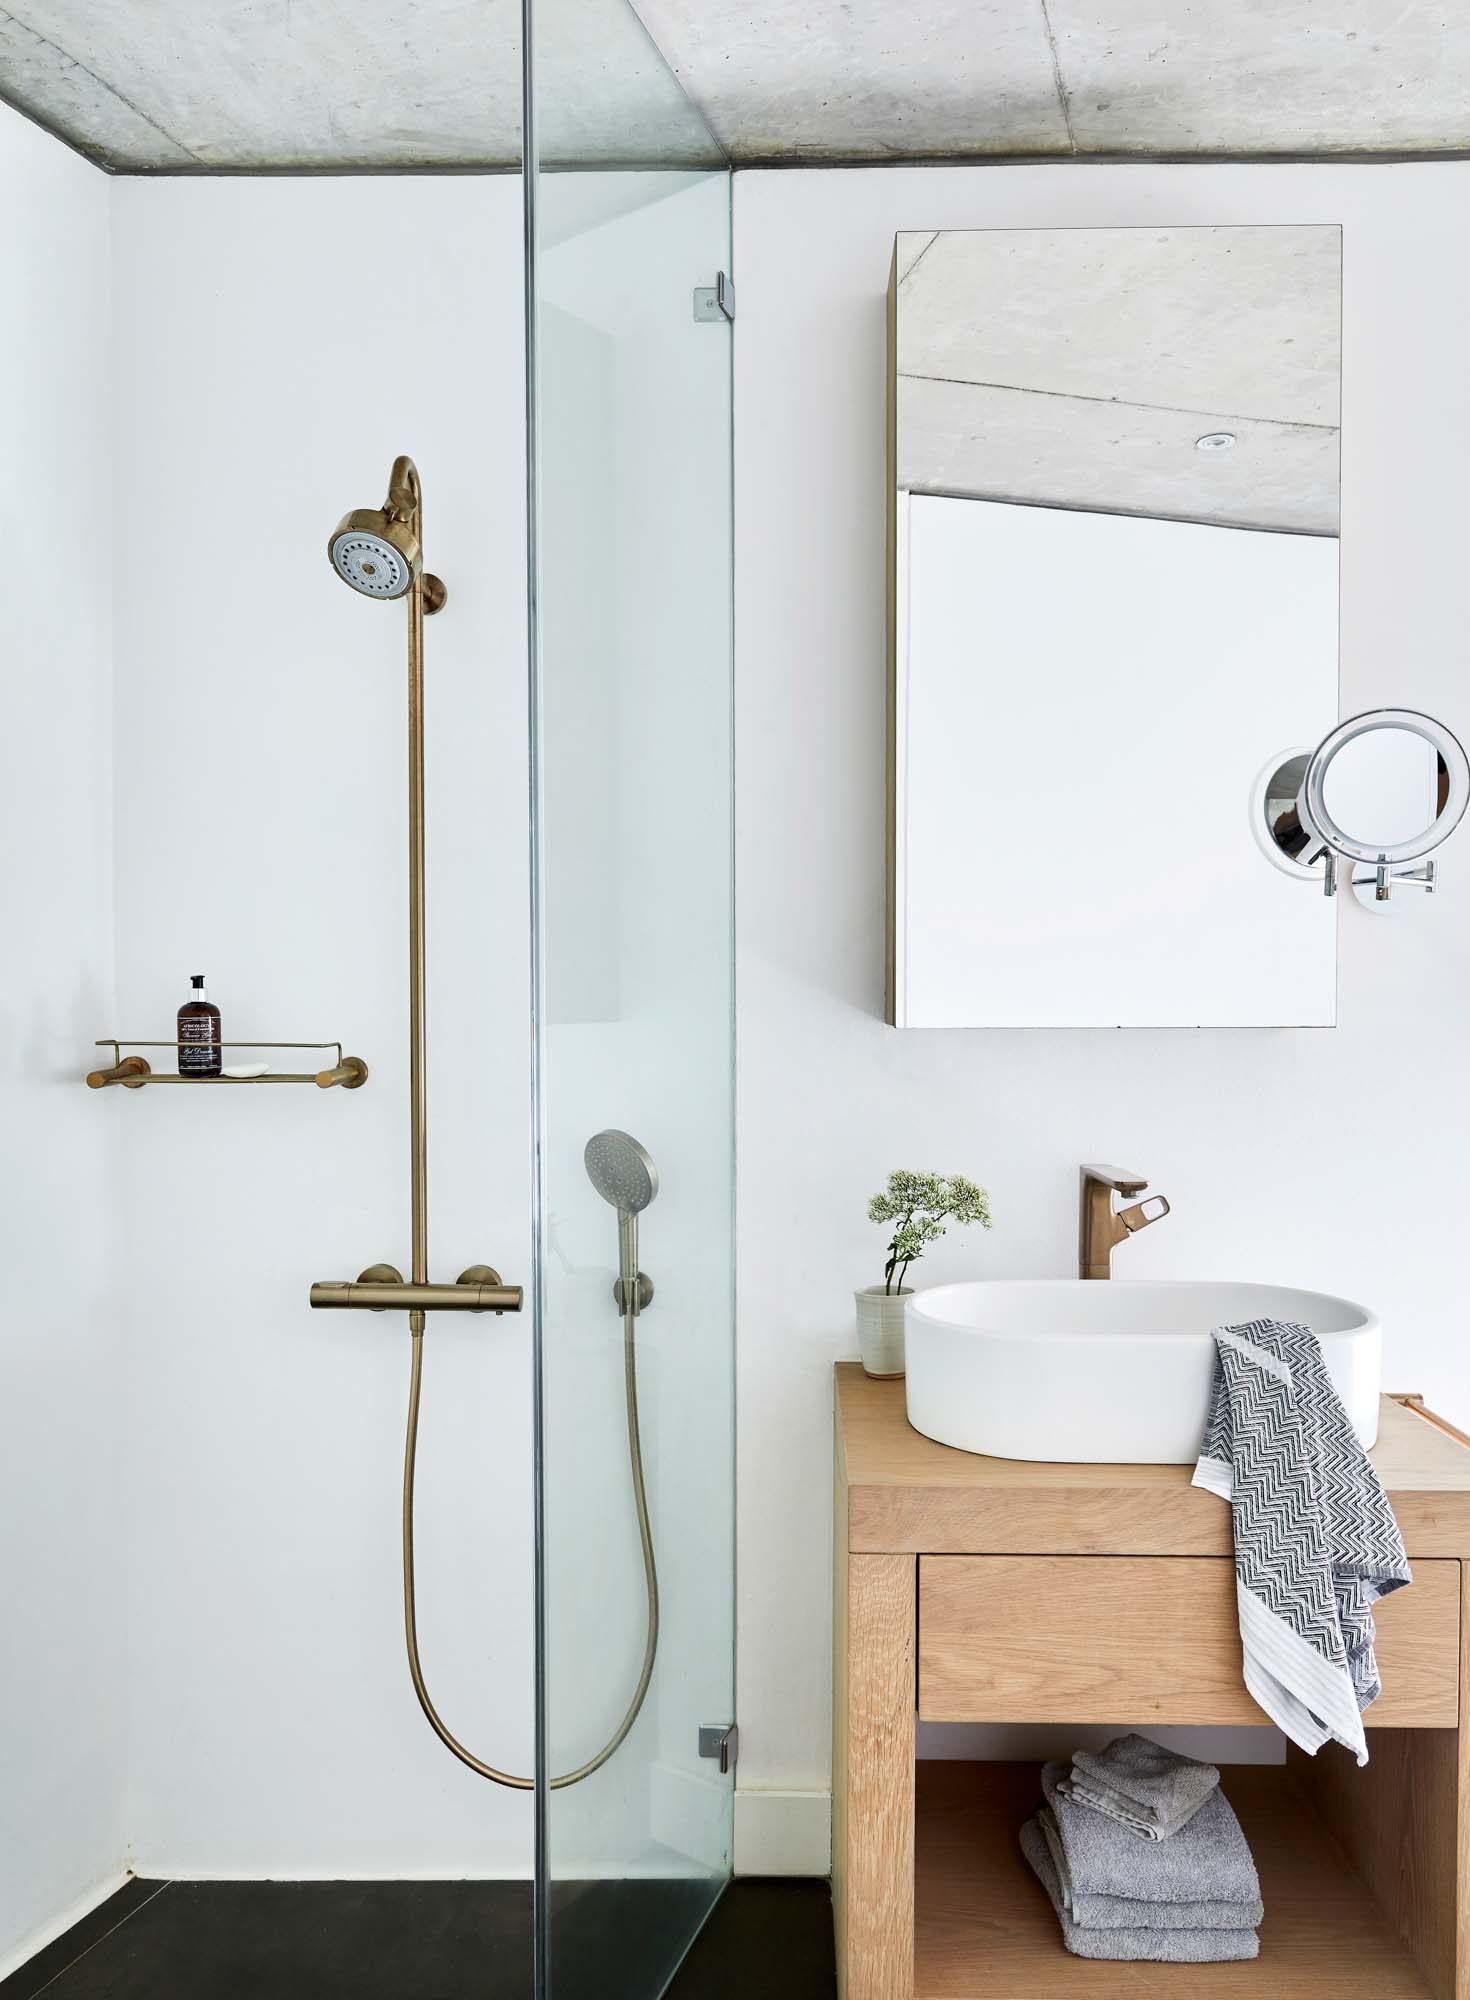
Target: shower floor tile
385	1940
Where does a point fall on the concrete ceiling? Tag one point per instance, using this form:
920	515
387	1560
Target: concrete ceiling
189	86
218	85
893	79
1080	367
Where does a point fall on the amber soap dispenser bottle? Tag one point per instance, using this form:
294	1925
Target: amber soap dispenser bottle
199	1043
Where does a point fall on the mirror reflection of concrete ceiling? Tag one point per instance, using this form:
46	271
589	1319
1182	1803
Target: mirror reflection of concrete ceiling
177	85
1081	368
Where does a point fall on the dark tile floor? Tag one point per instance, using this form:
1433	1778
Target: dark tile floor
430	1941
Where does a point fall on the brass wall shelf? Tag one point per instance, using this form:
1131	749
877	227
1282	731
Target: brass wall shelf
132	1072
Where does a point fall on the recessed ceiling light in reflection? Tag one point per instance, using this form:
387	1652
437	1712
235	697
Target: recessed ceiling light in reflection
1215	441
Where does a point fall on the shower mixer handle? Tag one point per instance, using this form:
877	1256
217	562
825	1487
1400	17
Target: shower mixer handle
380	1288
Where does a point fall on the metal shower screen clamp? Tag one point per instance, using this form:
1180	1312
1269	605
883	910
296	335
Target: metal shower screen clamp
721	1743
715	302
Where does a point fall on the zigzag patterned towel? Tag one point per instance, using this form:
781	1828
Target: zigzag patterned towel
1316	1543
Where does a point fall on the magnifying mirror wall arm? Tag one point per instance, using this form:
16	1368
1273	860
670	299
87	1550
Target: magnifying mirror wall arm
1386	879
380	1288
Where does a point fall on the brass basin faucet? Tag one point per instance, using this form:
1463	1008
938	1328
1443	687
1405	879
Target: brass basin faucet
1105	1227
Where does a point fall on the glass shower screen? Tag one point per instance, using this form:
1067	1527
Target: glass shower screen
631	665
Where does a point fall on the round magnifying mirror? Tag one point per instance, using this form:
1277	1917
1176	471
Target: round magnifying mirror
1386	787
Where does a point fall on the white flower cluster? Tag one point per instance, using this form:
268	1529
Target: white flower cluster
920	1205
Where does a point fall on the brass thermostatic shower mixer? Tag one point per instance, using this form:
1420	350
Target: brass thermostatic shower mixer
379	551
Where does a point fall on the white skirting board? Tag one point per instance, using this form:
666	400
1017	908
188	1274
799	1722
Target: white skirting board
72	1914
783	1833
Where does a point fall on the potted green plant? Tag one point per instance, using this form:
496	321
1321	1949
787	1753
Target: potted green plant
920	1206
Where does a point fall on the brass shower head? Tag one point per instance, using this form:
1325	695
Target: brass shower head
377	549
374	553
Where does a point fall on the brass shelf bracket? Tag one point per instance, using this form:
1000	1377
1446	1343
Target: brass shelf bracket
132	1072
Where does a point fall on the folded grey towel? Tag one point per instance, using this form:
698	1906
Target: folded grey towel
1150	1790
1316	1543
1205	1862
1111	1913
1196	1947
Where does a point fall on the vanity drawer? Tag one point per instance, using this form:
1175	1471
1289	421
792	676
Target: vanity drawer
1145	1639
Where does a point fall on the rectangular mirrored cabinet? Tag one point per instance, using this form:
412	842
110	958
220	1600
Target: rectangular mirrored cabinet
1113	582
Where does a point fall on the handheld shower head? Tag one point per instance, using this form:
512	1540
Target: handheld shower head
377	550
625	1176
621	1171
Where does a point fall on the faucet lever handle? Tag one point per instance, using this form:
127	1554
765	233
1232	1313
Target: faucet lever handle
1117	1178
1154	1209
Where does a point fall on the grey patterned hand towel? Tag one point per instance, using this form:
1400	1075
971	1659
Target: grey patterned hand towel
1316	1543
1150	1790
1139	1942
1113	1878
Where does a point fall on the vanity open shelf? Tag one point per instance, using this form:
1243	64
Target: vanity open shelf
997	1590
984	1930
134	1071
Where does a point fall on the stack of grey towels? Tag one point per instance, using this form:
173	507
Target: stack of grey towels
1143	1858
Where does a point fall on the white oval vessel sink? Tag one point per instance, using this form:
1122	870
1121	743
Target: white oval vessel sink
1103	1372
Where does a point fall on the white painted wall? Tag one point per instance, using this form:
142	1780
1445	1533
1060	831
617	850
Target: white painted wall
62	1547
1332	1159
275	343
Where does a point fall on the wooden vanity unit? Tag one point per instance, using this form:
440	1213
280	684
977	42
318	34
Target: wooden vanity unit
973	1589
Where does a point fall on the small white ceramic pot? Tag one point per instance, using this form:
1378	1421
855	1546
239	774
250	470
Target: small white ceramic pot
880	1319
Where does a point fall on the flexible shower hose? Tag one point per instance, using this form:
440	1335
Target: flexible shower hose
650	1577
